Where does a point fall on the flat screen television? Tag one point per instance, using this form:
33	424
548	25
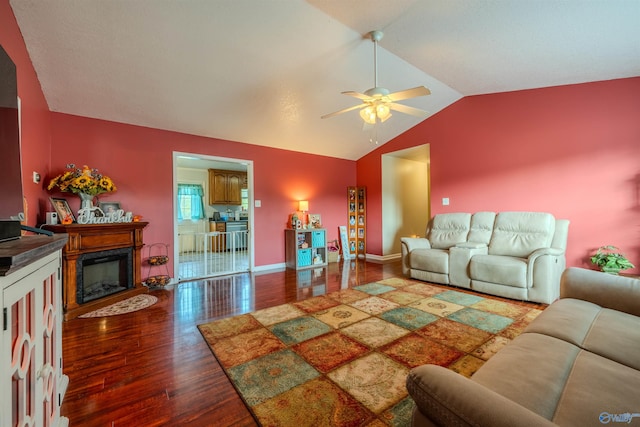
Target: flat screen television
11	200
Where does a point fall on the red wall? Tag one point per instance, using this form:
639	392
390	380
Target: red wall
139	160
570	150
573	151
36	122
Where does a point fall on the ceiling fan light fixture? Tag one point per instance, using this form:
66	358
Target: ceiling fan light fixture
383	112
368	114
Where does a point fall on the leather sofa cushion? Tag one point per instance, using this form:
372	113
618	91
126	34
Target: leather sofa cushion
434	260
597	385
531	371
520	233
502	270
560	381
608	333
481	227
449	229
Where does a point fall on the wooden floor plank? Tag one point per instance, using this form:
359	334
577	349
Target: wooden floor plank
153	368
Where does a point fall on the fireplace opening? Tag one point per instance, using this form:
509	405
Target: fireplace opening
99	274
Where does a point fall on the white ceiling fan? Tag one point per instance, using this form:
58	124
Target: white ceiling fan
377	102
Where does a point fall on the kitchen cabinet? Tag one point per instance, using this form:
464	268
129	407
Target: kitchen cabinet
218	241
231	235
225	186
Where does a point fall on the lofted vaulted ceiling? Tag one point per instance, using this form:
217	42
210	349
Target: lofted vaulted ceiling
264	71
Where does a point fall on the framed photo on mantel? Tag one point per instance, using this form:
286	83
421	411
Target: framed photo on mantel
65	214
109	207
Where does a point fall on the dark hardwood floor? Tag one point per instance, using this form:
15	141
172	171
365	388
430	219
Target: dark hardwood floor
153	368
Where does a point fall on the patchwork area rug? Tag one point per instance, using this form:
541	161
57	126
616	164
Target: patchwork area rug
135	303
342	359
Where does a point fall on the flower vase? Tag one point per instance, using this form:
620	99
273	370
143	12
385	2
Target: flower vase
86	201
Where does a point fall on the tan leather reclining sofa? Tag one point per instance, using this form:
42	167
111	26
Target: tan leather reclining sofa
576	364
518	255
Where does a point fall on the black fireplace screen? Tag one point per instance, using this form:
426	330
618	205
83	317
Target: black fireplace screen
103	273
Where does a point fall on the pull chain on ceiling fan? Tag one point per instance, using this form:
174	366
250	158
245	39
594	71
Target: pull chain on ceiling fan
377	102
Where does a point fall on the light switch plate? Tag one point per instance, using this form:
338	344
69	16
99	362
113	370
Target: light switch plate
445	201
258	203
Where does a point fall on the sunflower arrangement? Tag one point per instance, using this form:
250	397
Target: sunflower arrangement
86	180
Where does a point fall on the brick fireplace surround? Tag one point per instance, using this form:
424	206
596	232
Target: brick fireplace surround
93	238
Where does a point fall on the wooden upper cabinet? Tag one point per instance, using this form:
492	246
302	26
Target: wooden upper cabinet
217	187
225	186
234	183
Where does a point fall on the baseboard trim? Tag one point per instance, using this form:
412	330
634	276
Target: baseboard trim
268	267
381	259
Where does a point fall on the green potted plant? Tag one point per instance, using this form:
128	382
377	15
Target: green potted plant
610	260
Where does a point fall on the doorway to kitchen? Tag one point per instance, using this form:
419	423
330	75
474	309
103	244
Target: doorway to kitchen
213	216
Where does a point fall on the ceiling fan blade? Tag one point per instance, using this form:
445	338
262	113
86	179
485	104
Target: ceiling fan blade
357	95
409	93
355	107
408	110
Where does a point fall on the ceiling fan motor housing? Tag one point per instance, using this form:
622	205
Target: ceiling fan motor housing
377	92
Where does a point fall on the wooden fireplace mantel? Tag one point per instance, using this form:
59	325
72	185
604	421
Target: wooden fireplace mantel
86	238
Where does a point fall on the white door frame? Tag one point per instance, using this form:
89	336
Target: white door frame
206	157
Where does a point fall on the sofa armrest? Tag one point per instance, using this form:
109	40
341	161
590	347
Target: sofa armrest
546	251
412	243
448	398
606	290
407	244
538	253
